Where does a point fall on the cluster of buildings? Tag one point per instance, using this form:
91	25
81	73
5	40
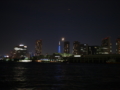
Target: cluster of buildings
83	49
21	52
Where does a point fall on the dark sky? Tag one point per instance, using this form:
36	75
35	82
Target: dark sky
86	21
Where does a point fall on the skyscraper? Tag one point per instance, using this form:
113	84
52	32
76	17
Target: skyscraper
38	47
106	46
76	48
118	46
66	47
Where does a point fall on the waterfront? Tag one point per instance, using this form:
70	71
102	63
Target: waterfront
59	76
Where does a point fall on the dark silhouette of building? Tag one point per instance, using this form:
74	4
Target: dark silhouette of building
118	46
106	46
66	47
38	47
76	48
83	49
93	50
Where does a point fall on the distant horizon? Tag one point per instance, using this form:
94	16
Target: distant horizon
71	46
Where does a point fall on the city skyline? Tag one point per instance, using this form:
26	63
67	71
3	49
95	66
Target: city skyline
76	20
38	50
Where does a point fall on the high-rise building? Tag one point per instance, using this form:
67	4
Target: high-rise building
76	48
38	47
106	46
118	46
84	49
20	52
66	47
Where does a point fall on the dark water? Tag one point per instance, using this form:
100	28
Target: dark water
59	76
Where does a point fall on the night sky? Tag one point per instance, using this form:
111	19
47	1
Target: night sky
86	21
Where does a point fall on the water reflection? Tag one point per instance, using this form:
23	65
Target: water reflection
19	73
48	76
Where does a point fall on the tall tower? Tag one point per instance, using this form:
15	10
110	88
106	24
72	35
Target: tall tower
76	47
66	47
59	49
38	47
106	46
118	46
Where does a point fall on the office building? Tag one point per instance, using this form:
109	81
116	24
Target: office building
38	47
93	50
76	48
106	46
83	49
118	46
20	52
66	47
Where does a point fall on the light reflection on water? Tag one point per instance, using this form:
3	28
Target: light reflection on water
57	76
19	73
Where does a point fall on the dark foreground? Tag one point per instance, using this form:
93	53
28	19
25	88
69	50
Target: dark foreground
59	76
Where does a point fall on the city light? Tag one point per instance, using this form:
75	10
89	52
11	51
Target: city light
63	39
21	45
6	56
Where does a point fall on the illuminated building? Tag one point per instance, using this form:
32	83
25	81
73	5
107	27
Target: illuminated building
59	49
106	47
66	47
38	47
93	50
76	48
20	52
118	46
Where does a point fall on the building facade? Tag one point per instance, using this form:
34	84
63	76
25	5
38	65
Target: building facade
93	50
66	47
76	48
106	46
118	46
20	52
38	47
83	49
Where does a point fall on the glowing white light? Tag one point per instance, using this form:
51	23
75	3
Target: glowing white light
21	45
25	46
6	56
25	60
17	48
63	39
77	55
